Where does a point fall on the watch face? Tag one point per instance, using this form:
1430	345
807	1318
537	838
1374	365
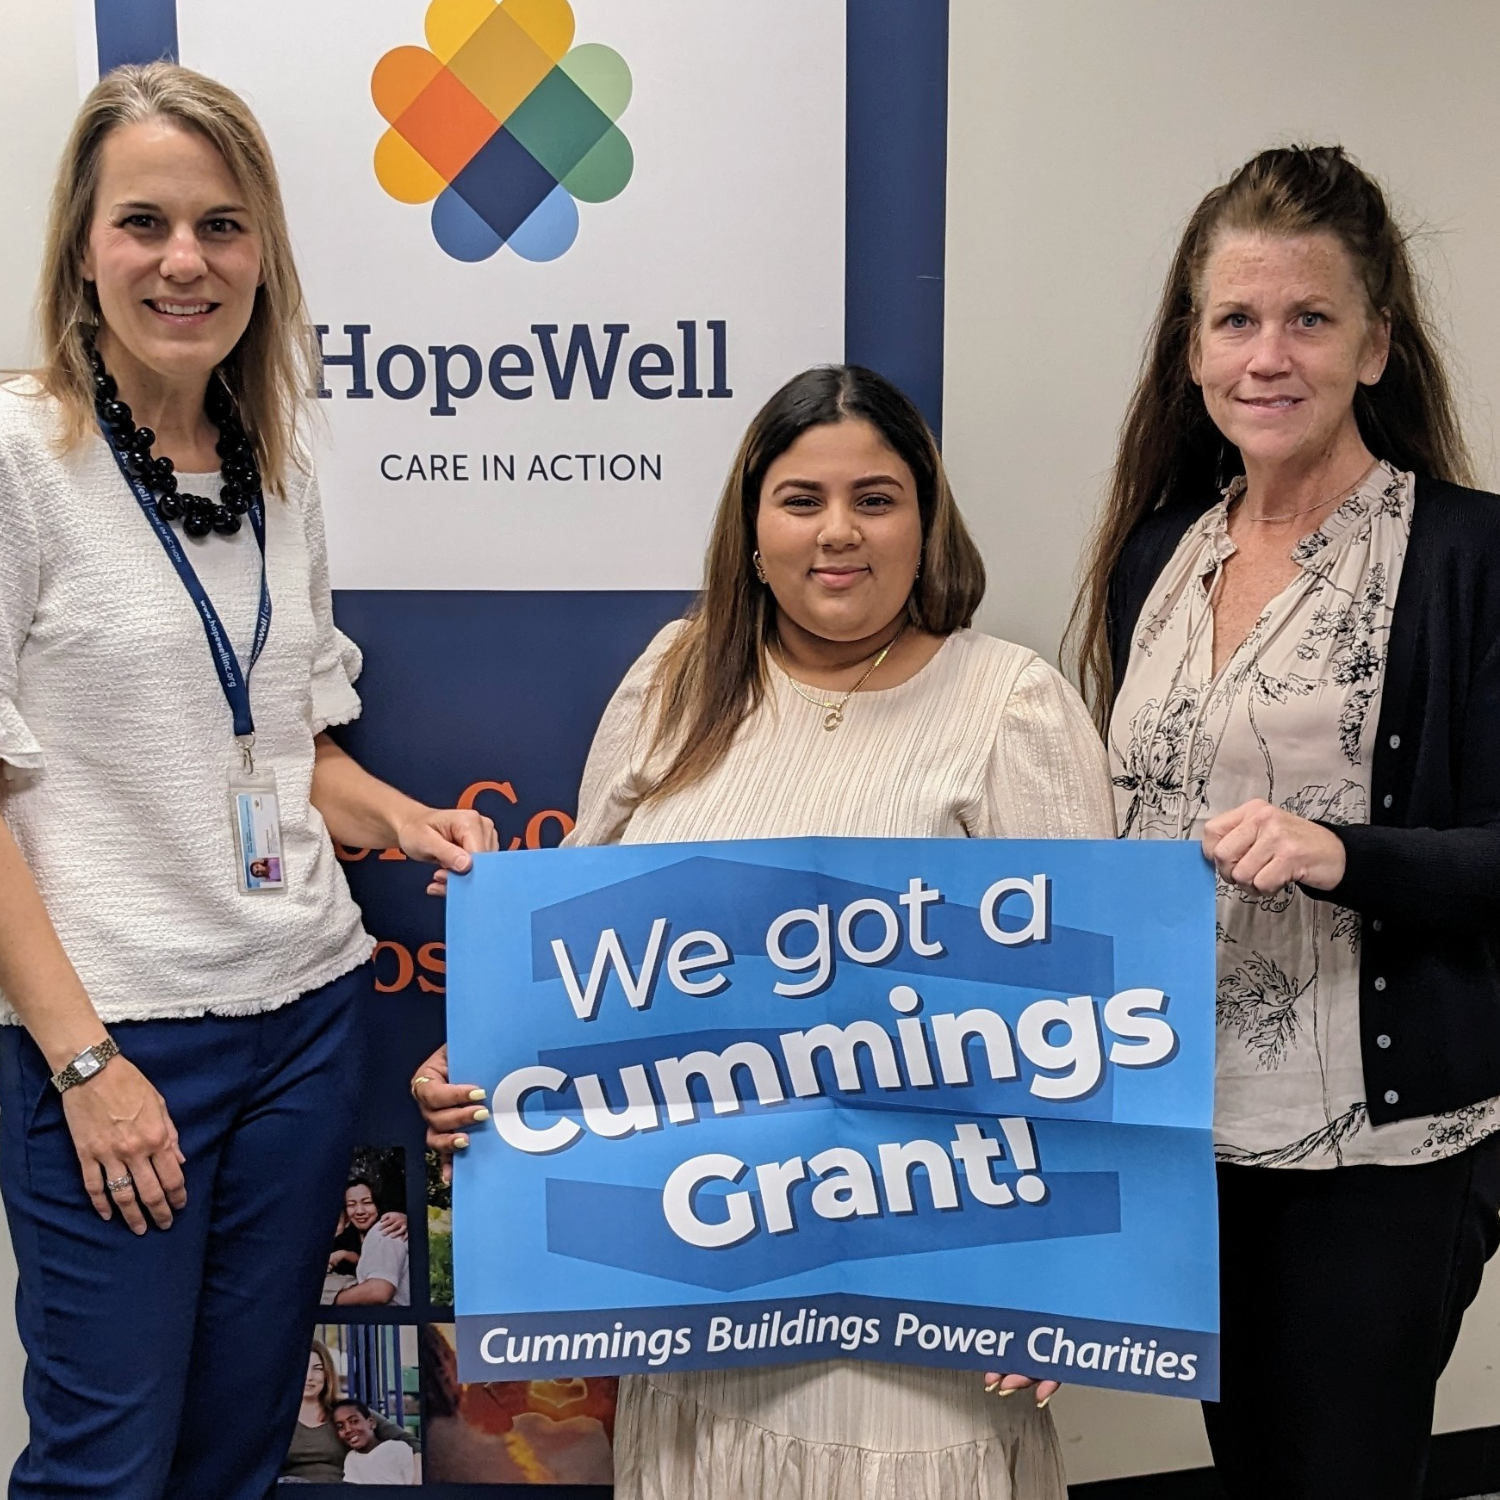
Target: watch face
88	1065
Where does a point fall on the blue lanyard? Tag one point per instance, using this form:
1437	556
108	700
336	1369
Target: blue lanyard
236	683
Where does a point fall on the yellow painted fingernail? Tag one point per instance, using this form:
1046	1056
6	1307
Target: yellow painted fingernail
476	1094
1040	1404
1009	1391
481	1114
460	1141
991	1386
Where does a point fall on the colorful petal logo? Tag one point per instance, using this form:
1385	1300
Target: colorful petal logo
503	126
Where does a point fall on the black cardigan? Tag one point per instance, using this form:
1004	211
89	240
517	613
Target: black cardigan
1424	873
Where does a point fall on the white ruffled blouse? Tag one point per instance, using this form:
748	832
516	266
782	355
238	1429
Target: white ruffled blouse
985	741
116	742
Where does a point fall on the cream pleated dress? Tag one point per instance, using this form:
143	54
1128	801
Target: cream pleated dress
985	741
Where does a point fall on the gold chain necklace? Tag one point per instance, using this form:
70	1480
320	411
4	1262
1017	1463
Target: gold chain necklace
835	715
1292	515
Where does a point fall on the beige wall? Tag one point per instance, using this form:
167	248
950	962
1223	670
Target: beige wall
38	94
1082	131
1081	134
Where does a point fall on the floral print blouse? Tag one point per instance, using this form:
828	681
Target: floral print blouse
1291	717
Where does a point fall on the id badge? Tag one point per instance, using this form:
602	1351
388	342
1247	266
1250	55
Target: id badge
255	812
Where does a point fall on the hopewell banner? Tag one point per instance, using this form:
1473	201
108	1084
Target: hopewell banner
945	1102
557	253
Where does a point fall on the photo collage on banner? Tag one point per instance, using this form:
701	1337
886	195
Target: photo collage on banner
557	252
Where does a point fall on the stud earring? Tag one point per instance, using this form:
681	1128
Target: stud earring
760	567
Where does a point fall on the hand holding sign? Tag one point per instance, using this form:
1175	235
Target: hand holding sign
1261	848
448	1108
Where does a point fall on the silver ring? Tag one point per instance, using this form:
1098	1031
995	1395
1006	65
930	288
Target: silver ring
120	1182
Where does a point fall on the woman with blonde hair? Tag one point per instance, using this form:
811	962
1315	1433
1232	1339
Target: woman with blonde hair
317	1453
316	1456
829	682
180	957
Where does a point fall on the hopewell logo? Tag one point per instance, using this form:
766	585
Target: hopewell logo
502	125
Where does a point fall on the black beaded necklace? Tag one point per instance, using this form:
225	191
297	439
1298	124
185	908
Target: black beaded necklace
199	516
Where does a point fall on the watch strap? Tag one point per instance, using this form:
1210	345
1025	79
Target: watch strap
86	1065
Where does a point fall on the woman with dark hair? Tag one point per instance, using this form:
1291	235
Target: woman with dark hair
364	1205
381	1267
828	682
1291	627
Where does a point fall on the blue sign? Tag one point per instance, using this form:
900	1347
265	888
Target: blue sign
942	1101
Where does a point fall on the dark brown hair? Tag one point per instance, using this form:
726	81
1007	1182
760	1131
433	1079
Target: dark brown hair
1169	448
713	674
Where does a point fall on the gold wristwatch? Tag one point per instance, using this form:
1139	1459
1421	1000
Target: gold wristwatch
83	1067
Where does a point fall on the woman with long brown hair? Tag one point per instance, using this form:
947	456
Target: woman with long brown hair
828	682
180	959
1290	626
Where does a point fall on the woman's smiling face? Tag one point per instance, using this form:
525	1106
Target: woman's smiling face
359	1206
839	531
173	252
1285	336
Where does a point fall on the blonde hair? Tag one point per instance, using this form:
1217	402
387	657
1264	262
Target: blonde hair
330	1393
269	371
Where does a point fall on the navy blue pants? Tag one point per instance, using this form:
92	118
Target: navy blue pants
170	1366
